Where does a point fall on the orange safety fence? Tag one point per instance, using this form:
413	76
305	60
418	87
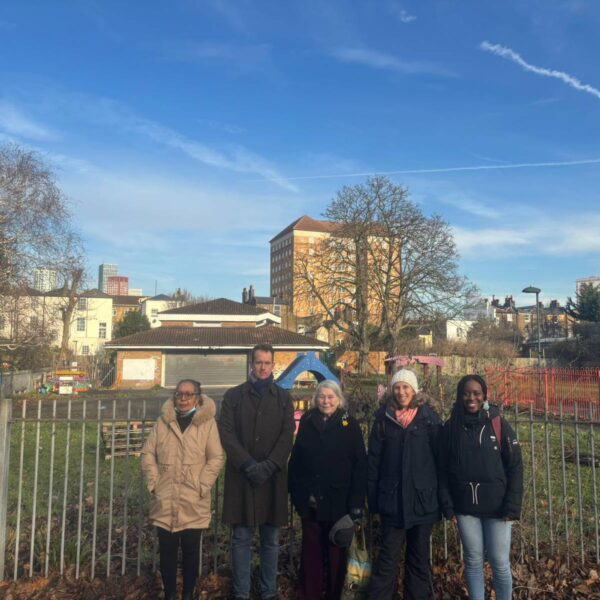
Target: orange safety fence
547	388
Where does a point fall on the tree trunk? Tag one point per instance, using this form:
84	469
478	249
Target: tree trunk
71	297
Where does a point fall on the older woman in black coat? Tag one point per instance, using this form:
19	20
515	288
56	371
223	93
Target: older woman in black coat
327	480
403	487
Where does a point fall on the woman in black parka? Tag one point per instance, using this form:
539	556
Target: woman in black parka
481	485
403	487
327	480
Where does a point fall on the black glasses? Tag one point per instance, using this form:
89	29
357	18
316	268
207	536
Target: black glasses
186	395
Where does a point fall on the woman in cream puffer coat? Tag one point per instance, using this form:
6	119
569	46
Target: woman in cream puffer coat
181	460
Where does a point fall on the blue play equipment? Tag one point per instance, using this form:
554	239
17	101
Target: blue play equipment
305	361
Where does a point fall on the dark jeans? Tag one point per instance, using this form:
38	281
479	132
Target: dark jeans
320	558
241	556
168	544
417	572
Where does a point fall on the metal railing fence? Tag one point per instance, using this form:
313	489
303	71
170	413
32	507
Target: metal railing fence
546	389
72	499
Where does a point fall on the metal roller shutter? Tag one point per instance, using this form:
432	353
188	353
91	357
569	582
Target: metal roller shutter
208	369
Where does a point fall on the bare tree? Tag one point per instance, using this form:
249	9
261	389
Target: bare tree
184	297
35	232
384	267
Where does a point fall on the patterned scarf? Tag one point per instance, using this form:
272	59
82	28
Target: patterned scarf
405	416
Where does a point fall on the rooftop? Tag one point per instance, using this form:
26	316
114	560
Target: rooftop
216	337
306	223
220	306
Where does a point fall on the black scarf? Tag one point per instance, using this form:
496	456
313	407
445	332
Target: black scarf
260	386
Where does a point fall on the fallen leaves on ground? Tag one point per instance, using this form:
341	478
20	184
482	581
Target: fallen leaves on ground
549	579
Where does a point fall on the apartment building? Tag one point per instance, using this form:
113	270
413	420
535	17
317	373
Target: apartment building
38	315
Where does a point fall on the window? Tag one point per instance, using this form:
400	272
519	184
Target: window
82	304
85	350
102	331
80	324
154	312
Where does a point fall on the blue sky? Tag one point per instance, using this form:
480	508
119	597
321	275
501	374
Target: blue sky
188	133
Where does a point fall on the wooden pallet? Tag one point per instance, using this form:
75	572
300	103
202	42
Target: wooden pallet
122	448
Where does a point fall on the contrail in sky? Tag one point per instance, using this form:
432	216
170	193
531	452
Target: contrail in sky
589	161
517	58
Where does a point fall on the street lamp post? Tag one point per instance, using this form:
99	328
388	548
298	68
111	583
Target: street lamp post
534	290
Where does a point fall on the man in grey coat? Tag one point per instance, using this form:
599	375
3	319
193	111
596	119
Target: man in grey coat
257	429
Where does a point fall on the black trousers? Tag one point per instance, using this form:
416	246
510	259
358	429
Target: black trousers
168	545
417	571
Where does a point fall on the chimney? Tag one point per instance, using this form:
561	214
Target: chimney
251	292
245	296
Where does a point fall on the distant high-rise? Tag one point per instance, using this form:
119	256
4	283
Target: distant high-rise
117	285
594	281
106	270
44	280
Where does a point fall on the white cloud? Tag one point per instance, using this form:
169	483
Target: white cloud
433	170
574	236
400	13
381	60
471	206
509	54
236	158
489	242
15	122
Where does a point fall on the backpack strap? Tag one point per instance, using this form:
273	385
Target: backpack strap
497	427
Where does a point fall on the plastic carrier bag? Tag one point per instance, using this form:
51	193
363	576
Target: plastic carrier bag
358	571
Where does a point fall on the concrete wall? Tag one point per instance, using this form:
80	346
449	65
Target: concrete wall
20	382
462	365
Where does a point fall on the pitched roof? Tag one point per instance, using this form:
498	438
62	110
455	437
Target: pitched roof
126	300
60	292
216	338
160	297
306	223
220	306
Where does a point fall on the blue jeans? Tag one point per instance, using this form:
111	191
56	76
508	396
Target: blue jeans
241	556
483	538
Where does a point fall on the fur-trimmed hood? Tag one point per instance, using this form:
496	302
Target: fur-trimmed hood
206	410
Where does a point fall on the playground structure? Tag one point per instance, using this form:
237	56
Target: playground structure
305	362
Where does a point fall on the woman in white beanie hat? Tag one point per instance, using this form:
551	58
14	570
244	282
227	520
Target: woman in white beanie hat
402	487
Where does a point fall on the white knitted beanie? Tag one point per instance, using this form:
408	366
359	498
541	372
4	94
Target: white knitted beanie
406	376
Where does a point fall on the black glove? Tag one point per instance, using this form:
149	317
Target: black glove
261	472
249	464
356	514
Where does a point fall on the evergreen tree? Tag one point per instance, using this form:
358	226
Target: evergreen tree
587	304
133	322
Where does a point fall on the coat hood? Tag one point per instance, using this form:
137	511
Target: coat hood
206	410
